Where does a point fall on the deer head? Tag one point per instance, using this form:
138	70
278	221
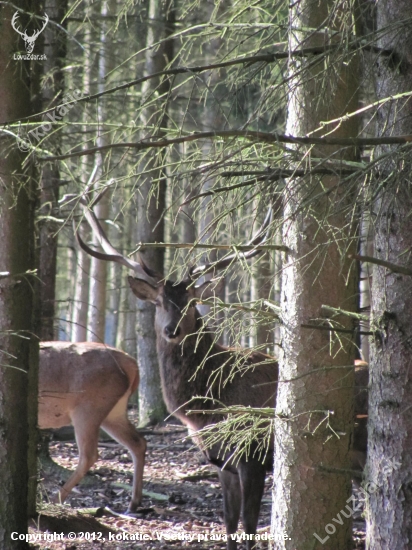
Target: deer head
175	301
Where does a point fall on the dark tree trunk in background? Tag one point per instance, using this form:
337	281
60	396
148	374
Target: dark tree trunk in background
389	466
53	87
17	343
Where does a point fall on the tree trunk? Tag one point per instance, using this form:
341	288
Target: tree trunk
151	204
81	292
112	322
213	119
17	344
126	336
79	332
389	466
311	486
98	269
98	280
262	334
55	51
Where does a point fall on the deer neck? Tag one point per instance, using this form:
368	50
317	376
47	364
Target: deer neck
184	372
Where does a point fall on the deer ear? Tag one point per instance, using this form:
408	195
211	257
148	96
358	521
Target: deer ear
142	289
208	289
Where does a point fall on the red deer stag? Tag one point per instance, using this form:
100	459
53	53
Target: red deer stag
88	385
189	359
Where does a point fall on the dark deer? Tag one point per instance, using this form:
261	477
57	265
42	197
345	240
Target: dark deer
193	365
88	385
195	373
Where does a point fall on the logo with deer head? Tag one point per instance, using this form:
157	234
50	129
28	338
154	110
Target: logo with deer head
29	41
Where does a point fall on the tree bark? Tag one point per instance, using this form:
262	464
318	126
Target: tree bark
98	269
98	281
112	321
79	332
311	486
262	334
389	465
126	336
81	292
55	51
17	342
151	205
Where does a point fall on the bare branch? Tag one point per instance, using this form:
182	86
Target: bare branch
238	248
372	260
339	311
247	60
266	137
332	329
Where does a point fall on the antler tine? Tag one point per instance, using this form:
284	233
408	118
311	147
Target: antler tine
111	254
258	239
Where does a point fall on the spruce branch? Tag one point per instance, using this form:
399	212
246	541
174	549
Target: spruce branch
389	265
265	137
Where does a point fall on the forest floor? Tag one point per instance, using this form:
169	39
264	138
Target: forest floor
181	508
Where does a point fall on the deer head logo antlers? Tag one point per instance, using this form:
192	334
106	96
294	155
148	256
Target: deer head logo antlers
29	41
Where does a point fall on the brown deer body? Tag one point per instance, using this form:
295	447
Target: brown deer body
88	385
193	365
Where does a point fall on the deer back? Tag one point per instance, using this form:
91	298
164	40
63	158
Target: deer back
86	374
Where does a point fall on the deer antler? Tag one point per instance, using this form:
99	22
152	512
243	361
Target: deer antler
111	254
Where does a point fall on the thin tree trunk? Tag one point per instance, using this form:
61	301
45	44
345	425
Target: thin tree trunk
389	465
98	281
212	119
311	486
81	293
126	334
55	51
79	332
150	209
54	47
112	323
261	283
98	269
18	389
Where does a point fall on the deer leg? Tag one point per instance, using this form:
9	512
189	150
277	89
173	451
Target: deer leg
252	481
87	437
121	429
231	504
